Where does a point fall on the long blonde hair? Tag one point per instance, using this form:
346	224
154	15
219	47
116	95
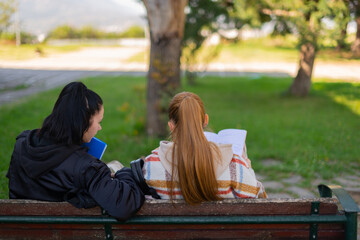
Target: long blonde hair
193	156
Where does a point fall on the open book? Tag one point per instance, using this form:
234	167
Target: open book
96	147
236	137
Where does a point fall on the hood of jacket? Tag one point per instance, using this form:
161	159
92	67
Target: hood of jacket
39	156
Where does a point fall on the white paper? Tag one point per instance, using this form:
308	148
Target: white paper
236	137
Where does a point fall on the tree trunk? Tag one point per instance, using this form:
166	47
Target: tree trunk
355	48
163	80
302	82
341	42
166	23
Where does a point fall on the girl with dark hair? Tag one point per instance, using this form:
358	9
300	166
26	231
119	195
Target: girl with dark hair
51	164
194	169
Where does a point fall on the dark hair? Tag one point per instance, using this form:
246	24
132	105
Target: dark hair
71	115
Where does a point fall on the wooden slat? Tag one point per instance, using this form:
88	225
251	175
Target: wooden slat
180	208
258	231
238	207
22	207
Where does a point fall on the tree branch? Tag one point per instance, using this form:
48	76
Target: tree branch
281	13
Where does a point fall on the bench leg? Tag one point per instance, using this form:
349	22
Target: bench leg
351	226
108	232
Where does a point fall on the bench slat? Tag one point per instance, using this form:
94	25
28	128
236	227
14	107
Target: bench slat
178	219
229	207
214	231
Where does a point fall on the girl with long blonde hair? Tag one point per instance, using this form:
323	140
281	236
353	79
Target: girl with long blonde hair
193	168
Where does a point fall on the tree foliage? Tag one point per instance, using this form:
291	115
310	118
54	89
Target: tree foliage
133	32
90	32
7	9
304	18
248	12
340	14
64	32
26	38
354	6
203	18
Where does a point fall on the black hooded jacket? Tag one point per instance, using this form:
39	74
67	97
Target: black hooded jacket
42	170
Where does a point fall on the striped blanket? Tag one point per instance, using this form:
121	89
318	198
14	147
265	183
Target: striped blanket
236	178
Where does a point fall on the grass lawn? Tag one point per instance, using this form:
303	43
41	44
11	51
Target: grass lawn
266	49
26	51
315	137
244	51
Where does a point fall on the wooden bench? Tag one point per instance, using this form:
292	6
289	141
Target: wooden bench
318	218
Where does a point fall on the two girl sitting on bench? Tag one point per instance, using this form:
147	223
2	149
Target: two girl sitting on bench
51	164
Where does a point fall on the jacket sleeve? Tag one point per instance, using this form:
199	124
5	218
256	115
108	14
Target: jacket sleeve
119	196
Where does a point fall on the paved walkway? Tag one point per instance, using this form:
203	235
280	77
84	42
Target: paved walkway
21	78
17	83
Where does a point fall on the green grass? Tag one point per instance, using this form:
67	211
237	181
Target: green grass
314	137
140	57
249	50
11	52
26	51
262	49
308	135
277	49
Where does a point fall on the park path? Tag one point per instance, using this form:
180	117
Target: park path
22	78
115	59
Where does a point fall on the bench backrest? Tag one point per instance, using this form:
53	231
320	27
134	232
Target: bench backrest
159	219
230	207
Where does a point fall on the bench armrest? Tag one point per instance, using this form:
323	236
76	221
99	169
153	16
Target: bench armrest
346	201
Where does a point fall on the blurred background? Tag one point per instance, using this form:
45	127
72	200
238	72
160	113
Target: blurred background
286	71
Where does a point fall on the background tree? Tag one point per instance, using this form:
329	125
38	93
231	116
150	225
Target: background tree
166	20
203	18
89	32
306	17
247	12
64	32
7	9
355	9
340	14
133	32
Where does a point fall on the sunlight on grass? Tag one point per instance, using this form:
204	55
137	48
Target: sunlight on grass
25	51
343	93
141	57
11	52
241	52
352	104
